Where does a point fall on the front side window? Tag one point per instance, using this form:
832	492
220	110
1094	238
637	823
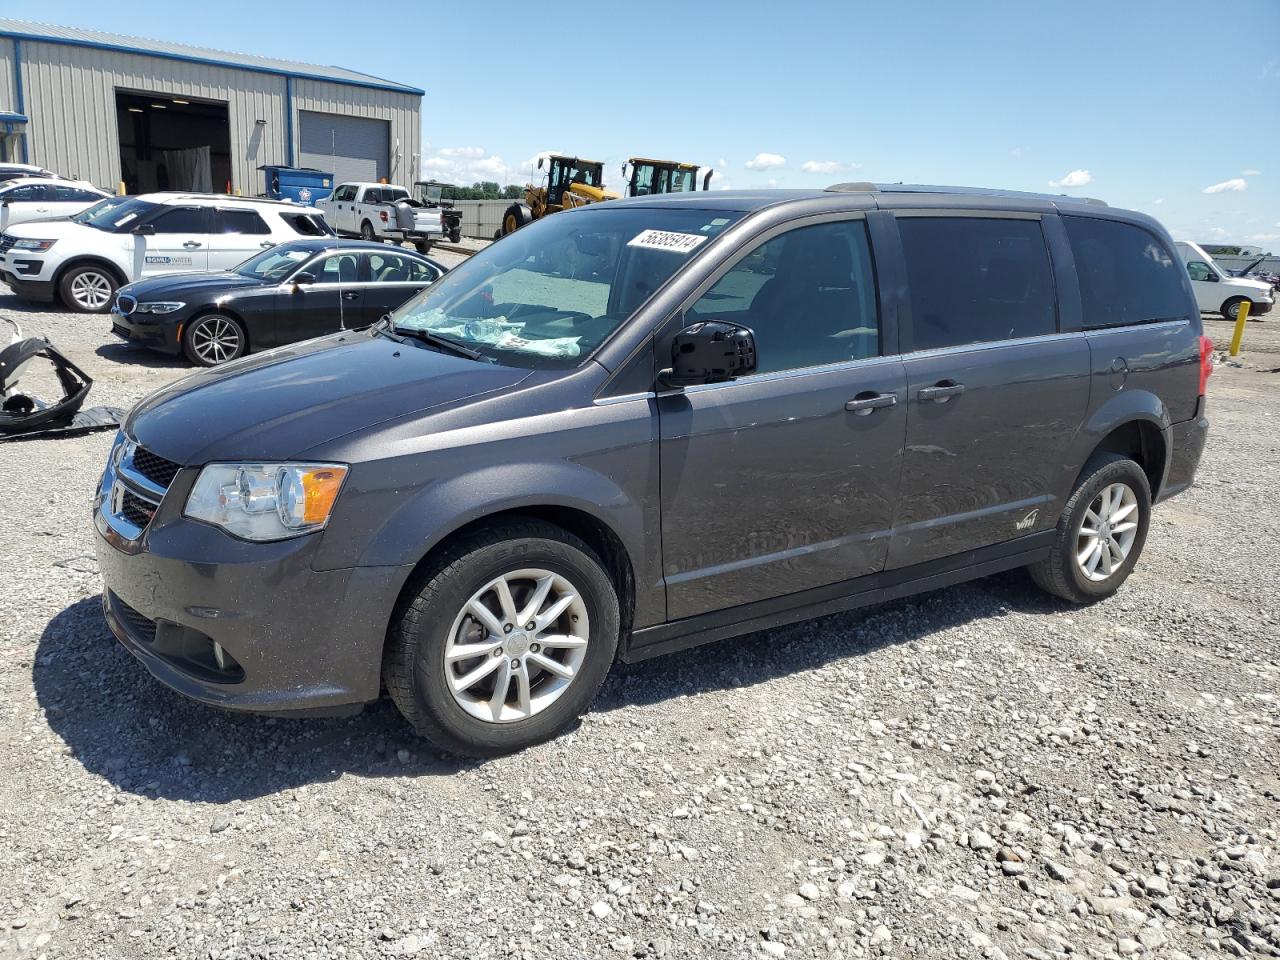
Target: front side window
549	294
809	296
976	280
1126	274
25	193
339	268
345	192
182	220
241	221
1199	270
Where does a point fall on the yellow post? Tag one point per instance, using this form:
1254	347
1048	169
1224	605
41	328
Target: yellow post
1241	319
120	189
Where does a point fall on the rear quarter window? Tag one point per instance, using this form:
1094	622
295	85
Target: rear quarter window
307	224
1126	274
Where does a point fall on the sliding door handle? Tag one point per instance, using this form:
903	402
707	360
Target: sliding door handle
867	403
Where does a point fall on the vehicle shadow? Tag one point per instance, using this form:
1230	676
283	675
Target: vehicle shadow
121	352
143	738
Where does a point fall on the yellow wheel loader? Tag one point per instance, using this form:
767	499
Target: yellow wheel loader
645	177
570	182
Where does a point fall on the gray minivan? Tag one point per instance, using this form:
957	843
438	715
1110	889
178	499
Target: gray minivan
652	423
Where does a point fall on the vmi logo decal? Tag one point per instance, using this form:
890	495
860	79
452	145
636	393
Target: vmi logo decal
1029	521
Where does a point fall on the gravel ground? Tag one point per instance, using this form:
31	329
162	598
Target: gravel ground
979	772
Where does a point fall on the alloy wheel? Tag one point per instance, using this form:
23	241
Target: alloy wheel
215	340
91	290
1108	531
516	646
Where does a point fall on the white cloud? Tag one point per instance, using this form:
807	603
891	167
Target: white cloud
1264	237
772	183
1017	153
469	153
532	162
492	166
1250	173
1217	233
766	161
1234	185
820	166
724	164
1076	178
1157	201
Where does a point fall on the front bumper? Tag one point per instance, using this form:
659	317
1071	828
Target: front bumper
163	335
38	290
1258	307
297	639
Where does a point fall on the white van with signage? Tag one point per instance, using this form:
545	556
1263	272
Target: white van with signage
1217	291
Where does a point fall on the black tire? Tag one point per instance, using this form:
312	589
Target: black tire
88	288
414	661
513	219
423	246
1061	574
212	339
1231	308
366	231
455	235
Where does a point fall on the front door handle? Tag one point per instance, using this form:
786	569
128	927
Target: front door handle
350	296
266	244
941	392
191	244
864	404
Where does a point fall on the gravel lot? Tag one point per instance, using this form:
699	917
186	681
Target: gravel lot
980	772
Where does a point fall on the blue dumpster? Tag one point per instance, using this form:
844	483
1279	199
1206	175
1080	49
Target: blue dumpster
299	184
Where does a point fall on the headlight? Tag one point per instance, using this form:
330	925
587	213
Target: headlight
161	306
266	501
39	246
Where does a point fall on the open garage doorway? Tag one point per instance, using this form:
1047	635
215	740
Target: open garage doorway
173	143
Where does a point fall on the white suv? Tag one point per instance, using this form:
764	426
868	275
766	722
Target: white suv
86	258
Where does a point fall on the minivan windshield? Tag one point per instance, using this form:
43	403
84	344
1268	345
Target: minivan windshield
549	294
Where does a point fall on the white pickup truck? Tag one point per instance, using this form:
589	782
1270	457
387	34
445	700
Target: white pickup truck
381	211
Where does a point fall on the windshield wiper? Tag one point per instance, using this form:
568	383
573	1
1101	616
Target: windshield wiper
443	343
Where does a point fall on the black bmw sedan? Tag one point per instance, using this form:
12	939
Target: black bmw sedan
294	291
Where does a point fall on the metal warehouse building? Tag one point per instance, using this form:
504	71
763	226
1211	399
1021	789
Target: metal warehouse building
156	115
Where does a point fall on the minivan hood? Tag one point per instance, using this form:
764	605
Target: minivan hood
275	405
171	284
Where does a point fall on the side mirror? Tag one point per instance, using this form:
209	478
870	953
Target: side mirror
145	230
300	279
711	351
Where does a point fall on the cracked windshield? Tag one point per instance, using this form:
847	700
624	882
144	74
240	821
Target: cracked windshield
550	294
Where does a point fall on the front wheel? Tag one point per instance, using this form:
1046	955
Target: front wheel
1100	534
87	289
503	641
213	339
423	246
1231	309
513	219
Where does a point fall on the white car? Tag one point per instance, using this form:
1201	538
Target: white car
40	198
85	258
12	171
382	211
1218	291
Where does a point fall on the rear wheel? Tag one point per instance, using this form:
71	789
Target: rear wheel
455	235
213	339
1100	534
1231	309
366	231
423	246
87	289
504	641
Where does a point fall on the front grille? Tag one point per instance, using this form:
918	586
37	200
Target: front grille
156	469
7	240
126	304
138	626
136	510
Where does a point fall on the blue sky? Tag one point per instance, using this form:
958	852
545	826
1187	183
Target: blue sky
1158	105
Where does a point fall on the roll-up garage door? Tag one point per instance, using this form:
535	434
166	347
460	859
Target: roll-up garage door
352	148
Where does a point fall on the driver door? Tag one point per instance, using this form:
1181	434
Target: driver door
333	302
180	243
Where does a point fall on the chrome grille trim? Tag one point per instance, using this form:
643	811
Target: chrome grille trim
126	304
127	499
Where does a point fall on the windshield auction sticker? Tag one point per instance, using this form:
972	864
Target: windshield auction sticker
668	240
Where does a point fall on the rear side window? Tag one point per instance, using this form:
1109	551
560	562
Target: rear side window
74	194
241	221
29	192
1126	274
976	280
307	224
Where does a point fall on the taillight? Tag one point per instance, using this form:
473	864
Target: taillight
1206	361
383	215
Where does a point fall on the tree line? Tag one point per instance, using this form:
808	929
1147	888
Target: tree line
485	190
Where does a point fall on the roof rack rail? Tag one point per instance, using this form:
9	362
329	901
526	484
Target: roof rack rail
864	187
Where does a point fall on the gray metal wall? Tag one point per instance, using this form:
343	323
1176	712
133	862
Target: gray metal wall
481	218
351	148
70	98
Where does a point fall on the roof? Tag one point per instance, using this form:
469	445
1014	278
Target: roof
100	40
